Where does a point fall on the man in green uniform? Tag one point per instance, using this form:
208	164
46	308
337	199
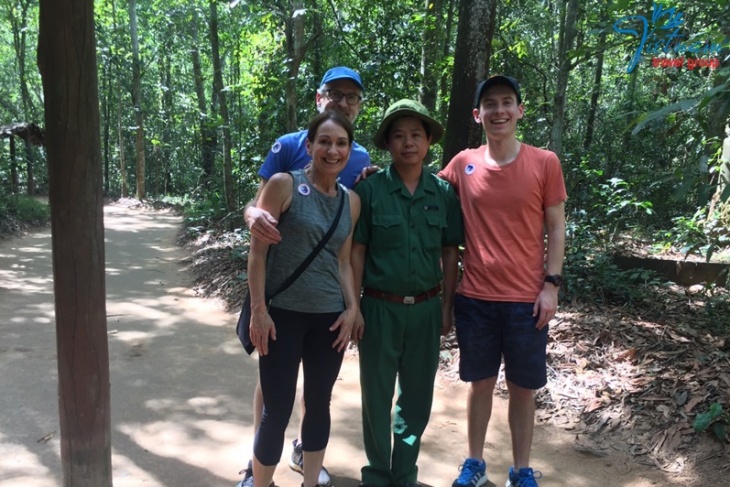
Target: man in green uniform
405	244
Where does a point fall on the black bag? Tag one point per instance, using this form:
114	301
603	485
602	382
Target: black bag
244	319
244	322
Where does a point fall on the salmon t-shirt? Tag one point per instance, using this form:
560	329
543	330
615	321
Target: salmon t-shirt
504	216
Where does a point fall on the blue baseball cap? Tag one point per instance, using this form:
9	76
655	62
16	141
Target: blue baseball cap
497	79
342	72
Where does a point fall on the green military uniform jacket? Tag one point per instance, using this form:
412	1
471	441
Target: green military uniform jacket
404	233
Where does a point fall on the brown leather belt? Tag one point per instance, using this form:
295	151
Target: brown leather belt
394	298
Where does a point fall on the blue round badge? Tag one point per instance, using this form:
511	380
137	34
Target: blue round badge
470	168
304	190
276	147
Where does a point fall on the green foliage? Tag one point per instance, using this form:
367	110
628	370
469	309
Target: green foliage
716	418
206	211
598	213
592	276
18	212
697	234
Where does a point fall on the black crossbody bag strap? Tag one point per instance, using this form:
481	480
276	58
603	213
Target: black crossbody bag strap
295	275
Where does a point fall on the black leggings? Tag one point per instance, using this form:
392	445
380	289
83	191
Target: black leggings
301	337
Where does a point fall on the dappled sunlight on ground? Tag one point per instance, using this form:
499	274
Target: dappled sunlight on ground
21	467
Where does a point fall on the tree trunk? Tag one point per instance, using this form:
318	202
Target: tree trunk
208	139
613	165
567	39
471	63
14	177
168	108
19	27
67	61
218	87
317	35
123	187
724	181
721	198
124	190
444	81
296	48
432	40
595	92
137	102
106	104
29	167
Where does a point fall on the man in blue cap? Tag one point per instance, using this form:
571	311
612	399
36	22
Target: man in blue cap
341	89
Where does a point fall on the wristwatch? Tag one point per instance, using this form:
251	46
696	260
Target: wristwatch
554	279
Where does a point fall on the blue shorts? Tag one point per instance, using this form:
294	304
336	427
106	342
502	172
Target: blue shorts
489	330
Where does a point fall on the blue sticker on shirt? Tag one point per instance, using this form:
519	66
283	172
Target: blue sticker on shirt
470	168
304	190
276	147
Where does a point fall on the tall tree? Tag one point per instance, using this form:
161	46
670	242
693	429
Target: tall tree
14	179
137	101
208	139
67	61
568	31
595	92
471	63
223	106
296	47
432	41
444	78
18	16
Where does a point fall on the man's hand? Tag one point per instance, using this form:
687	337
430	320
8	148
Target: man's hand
545	306
262	225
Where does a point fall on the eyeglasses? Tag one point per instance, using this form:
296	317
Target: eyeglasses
336	96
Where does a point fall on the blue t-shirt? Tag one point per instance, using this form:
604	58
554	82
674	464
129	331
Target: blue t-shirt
289	153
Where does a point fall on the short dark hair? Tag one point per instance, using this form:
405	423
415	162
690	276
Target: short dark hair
334	116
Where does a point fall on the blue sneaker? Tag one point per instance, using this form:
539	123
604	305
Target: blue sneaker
473	473
524	478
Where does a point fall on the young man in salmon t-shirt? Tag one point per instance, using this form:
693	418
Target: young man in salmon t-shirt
513	195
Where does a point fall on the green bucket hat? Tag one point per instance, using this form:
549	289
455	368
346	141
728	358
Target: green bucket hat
407	108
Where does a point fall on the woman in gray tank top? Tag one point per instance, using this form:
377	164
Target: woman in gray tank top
312	320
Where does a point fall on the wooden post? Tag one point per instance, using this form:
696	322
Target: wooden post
67	61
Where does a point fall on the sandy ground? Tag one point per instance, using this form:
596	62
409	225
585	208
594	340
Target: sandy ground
181	385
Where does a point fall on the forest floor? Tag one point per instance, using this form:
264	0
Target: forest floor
628	379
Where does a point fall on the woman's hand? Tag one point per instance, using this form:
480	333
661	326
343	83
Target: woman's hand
345	323
261	330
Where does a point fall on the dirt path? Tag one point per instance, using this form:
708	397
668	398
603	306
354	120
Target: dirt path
181	385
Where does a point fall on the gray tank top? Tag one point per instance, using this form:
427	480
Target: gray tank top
302	226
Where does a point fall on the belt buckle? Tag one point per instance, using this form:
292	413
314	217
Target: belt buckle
409	300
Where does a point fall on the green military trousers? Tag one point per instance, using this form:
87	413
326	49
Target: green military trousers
400	341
